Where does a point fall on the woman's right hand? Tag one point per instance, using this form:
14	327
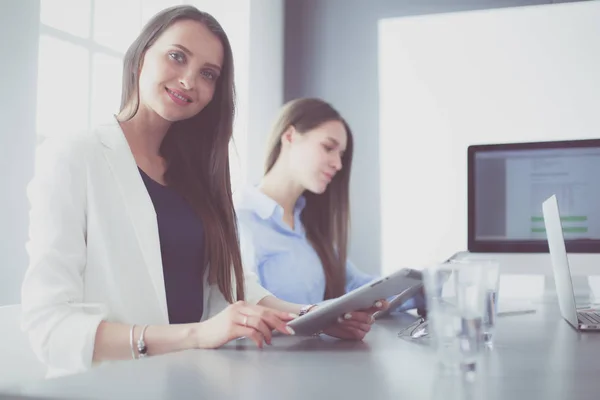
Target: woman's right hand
242	319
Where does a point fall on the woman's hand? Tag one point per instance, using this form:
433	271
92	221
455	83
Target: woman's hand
355	325
242	319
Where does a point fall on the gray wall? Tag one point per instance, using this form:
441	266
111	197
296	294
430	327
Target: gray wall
265	80
331	52
19	30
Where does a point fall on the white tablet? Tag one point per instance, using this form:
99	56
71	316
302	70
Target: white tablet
359	299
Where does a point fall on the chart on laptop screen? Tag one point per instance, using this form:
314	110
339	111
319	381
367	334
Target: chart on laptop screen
511	185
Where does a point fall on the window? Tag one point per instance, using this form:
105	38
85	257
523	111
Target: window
81	49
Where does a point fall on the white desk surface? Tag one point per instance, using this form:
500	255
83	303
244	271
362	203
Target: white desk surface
537	356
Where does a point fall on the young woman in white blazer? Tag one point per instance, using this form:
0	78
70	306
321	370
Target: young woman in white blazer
133	241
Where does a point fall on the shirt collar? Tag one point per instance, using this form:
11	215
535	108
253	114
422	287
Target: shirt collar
251	198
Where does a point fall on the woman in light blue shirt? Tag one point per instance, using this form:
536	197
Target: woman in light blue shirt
294	224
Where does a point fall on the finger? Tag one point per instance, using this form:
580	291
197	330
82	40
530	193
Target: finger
257	324
350	333
359	316
356	333
260	310
381	305
357	325
256	337
271	318
241	331
273	322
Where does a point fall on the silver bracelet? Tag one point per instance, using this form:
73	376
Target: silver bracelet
131	341
141	344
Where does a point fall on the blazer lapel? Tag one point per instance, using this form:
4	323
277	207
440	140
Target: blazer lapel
139	206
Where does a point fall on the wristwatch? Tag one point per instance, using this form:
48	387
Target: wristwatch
306	309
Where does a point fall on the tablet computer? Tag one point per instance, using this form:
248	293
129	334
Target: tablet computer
359	299
400	299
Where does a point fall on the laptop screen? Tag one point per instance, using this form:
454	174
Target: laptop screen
509	182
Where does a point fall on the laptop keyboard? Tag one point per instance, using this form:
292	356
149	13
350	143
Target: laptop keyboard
589	317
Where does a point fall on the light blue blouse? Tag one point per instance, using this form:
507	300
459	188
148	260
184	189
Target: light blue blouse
284	260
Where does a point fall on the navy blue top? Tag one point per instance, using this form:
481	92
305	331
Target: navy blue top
181	234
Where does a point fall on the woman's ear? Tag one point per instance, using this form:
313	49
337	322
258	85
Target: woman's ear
288	135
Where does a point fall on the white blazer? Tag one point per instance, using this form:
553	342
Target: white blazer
94	249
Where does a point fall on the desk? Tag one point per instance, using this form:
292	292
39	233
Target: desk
536	356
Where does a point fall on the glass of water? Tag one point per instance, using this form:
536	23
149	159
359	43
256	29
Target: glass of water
491	271
491	282
455	309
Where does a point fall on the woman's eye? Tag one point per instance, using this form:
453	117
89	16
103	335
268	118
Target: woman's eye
327	148
210	75
179	57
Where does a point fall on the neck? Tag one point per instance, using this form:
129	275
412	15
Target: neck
145	133
277	185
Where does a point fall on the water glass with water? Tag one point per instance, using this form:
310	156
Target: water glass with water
455	302
491	281
491	271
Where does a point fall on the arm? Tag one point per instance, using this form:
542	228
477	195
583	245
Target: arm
281	305
239	319
356	278
353	326
69	334
65	332
61	328
255	292
112	340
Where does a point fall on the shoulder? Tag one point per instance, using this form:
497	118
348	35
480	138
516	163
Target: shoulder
251	205
242	198
247	218
59	153
75	143
254	205
249	225
253	228
77	148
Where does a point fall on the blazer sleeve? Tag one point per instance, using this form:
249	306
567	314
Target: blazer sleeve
61	328
255	292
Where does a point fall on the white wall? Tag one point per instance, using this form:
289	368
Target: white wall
451	80
255	30
331	52
265	80
19	30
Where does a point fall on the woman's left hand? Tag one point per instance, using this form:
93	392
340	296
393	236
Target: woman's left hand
355	325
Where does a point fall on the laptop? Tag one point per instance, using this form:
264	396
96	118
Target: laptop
584	320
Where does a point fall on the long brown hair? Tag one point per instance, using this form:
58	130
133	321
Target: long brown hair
196	150
326	217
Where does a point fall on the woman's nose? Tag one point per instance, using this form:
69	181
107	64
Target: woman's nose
337	162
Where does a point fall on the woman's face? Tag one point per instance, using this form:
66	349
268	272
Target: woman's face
180	70
316	156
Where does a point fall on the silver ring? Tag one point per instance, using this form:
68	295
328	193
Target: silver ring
246	321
